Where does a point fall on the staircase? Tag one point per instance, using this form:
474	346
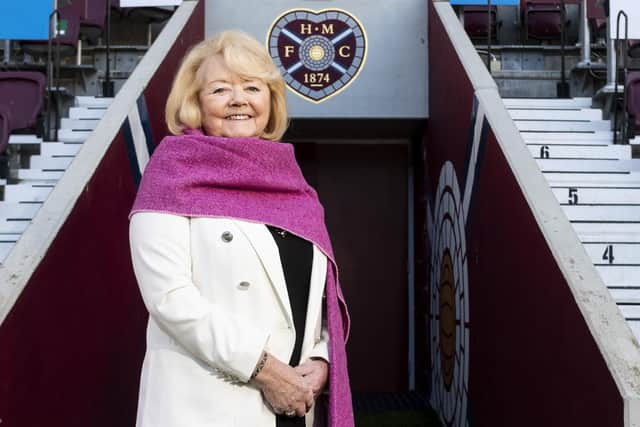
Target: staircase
28	188
596	183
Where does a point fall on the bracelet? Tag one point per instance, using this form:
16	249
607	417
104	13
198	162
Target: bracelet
261	364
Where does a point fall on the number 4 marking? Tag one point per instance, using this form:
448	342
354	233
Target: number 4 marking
608	254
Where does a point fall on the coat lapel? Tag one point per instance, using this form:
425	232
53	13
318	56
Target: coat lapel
267	250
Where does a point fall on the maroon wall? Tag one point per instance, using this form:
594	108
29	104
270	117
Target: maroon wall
532	359
72	346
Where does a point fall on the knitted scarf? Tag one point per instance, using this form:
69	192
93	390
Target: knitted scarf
257	180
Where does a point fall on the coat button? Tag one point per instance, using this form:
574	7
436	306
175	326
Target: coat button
227	236
244	286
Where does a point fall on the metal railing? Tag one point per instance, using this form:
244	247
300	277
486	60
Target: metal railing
53	74
623	54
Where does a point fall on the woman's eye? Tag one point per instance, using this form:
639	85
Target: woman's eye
253	89
217	90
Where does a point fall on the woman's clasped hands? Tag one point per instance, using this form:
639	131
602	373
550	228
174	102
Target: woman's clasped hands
292	391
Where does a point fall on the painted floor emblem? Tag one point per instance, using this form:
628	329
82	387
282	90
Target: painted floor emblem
318	52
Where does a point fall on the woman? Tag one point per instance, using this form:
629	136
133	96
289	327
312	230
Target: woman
233	258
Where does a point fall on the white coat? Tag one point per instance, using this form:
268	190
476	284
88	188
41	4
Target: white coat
217	298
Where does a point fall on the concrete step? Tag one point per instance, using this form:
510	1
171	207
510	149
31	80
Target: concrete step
609	179
39	175
598	137
86	113
592	230
602	152
595	213
582	114
591	195
635	328
50	163
18	211
24	139
92	102
548	103
562	126
625	293
69	135
614	253
583	165
630	311
59	148
79	124
627	237
570	142
13	226
27	192
10	237
5	248
619	274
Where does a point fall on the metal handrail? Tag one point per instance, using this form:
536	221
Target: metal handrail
615	87
51	74
489	35
563	88
107	84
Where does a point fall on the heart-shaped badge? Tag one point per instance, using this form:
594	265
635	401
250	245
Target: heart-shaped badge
319	53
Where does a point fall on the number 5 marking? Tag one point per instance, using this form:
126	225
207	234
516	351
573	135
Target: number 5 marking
573	196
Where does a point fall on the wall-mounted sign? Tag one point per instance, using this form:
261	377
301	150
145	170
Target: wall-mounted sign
320	53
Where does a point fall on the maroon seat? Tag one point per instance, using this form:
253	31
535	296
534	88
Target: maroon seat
594	11
634	48
543	19
476	22
149	14
5	119
632	88
92	15
22	93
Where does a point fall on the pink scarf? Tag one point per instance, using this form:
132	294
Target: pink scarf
256	180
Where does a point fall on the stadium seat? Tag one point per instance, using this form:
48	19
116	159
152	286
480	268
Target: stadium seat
634	48
5	118
475	22
22	93
632	87
542	19
92	15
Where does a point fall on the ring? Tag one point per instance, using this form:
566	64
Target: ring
290	413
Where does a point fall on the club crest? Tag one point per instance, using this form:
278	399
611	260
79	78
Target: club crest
318	52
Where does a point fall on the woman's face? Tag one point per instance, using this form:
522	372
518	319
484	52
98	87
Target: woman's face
230	105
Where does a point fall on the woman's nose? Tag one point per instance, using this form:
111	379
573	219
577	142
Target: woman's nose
238	96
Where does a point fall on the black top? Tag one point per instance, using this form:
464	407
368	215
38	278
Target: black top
296	256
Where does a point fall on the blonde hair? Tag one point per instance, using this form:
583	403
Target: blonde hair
246	57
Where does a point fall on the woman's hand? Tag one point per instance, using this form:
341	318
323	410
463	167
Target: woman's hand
315	373
285	389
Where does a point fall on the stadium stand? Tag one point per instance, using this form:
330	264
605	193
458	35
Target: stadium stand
632	88
22	93
543	19
476	22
